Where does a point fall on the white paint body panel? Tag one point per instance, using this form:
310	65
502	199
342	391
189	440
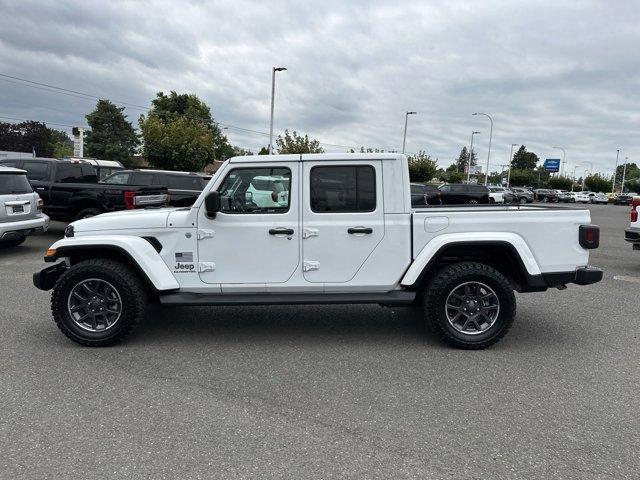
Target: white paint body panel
235	253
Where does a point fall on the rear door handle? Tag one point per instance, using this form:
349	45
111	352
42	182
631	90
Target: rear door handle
355	230
281	231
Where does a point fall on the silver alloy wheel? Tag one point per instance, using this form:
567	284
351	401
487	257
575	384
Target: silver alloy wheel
472	308
94	305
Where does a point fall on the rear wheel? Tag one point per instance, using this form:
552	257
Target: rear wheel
98	302
13	242
523	200
470	305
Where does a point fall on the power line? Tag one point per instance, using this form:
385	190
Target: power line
87	96
31	120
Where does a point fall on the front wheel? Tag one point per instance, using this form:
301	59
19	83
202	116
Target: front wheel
470	305
523	200
98	302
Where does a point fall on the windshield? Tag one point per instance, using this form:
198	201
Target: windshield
14	183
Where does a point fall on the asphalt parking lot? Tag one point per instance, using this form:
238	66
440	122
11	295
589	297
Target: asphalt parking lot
326	392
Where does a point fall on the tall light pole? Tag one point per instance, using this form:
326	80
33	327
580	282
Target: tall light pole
470	156
404	137
564	155
510	162
573	181
486	176
273	92
615	173
624	174
584	176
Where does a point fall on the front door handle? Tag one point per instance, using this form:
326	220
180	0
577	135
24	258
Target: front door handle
281	231
355	230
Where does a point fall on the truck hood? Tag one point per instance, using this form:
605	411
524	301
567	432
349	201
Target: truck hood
124	220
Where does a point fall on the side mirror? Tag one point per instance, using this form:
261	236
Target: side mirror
212	204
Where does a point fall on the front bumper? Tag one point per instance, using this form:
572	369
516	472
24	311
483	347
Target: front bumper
46	278
23	228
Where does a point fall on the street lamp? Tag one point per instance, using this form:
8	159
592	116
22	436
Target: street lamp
584	176
573	181
486	177
510	161
564	154
470	156
273	91
404	137
615	173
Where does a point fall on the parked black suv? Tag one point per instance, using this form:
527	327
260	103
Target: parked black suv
624	198
184	187
70	189
423	194
545	195
459	193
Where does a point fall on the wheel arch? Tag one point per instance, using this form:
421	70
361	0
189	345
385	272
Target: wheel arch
136	252
512	259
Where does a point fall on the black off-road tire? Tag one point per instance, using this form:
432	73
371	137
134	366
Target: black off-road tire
12	243
88	213
447	280
132	291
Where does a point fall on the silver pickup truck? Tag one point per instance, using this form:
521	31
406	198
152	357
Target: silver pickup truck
20	208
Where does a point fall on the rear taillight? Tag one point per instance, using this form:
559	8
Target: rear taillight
130	199
589	236
635	203
39	204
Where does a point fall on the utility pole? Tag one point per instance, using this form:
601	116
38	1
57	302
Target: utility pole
510	162
273	92
470	156
564	154
486	176
404	137
615	173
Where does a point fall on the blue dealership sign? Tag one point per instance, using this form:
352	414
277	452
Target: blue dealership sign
552	165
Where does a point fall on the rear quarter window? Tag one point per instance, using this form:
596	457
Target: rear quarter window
38	171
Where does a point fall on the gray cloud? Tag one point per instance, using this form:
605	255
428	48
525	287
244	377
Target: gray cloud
549	74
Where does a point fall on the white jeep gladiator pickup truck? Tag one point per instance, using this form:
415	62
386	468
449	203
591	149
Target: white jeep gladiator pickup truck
335	229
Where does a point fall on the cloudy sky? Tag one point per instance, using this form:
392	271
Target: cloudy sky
551	73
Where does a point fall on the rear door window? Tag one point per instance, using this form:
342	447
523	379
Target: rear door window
69	173
143	178
343	189
182	182
118	178
12	183
38	171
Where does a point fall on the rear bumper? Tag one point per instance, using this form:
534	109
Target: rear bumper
23	228
632	235
580	276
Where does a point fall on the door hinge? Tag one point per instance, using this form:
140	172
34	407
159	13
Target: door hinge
309	232
205	234
309	265
206	267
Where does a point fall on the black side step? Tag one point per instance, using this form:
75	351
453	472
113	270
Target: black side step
396	297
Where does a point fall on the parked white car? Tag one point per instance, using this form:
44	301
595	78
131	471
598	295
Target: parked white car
598	198
20	208
496	195
346	233
580	197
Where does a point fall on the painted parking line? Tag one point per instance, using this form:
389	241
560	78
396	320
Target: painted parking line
626	278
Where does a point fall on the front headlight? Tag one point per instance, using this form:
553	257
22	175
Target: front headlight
68	232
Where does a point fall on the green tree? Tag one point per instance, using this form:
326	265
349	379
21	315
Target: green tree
524	160
111	136
61	144
294	143
463	159
455	177
421	167
264	151
632	172
560	183
27	137
597	183
632	185
522	178
179	133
